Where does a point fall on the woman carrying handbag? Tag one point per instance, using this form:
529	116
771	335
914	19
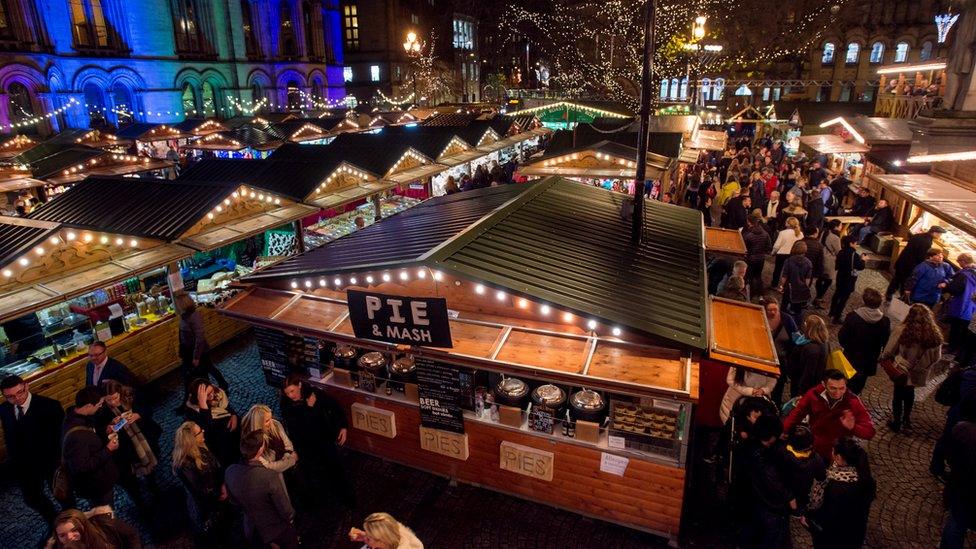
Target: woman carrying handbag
912	350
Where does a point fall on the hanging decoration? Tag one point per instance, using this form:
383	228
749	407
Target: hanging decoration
944	22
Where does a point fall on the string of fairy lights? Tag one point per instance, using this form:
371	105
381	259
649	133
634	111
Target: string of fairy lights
596	45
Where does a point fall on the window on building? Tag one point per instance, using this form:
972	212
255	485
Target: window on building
209	99
675	90
294	95
877	52
189	31
20	105
776	93
766	92
853	52
190	106
313	32
247	23
256	93
823	94
350	23
374	73
88	26
95	103
317	90
901	52
664	89
684	88
288	46
828	53
926	52
414	19
847	92
719	88
122	103
706	89
347	74
463	34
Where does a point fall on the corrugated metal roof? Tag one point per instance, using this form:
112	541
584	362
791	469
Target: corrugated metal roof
151	208
67	158
135	131
662	143
814	113
555	241
40	151
18	236
431	141
459	119
374	153
290	179
401	238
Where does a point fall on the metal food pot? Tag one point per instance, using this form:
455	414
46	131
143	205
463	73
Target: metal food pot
549	395
587	405
511	392
345	357
373	363
403	370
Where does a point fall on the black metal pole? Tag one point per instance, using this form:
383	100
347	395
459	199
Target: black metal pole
637	229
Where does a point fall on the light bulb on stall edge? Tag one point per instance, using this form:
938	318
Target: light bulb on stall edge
616	332
71	235
422	274
338	282
87	237
352	280
103	239
54	240
322	282
479	289
8	273
500	295
591	325
567	317
294	285
133	243
386	277
24	261
308	283
369	279
438	276
39	250
404	276
544	309
119	242
523	303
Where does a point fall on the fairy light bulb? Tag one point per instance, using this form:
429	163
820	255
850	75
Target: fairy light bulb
438	276
386	277
545	310
8	273
294	284
500	296
133	243
404	276
616	332
523	303
338	281
369	279
591	325
567	317
71	235
39	250
322	282
54	240
308	283
24	261
422	274
103	239
87	237
119	242
479	289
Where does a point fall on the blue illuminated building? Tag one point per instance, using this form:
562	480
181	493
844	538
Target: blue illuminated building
163	60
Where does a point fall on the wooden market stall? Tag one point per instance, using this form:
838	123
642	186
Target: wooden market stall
905	89
606	164
154	140
244	142
842	153
526	273
15	145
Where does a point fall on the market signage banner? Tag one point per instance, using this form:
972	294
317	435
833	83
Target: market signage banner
439	388
400	319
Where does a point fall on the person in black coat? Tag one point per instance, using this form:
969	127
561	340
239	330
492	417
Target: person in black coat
317	426
32	433
815	211
209	407
840	515
914	253
878	220
808	359
848	264
758	247
736	211
772	499
815	251
202	477
863	336
91	469
101	367
801	465
960	490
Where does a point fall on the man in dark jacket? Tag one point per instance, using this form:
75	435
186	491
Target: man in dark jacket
878	220
758	246
914	253
863	336
101	367
863	203
91	468
801	465
268	514
848	264
960	491
773	501
817	174
736	211
815	252
32	433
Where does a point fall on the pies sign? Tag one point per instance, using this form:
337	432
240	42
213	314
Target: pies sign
420	321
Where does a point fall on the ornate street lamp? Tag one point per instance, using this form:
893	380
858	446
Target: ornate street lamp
412	47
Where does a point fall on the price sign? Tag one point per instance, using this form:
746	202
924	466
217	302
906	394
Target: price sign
439	390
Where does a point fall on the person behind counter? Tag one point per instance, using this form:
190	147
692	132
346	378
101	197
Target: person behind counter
32	433
382	531
24	336
317	425
194	349
102	367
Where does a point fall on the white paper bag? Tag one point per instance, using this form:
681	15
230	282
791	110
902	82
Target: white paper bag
897	310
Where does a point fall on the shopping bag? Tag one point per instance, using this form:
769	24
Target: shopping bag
897	310
837	361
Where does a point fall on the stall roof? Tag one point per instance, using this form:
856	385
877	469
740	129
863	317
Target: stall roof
431	141
609	159
877	130
936	195
145	131
709	140
892	160
832	144
71	157
814	113
200	126
15	145
450	119
291	179
19	235
661	143
19	184
556	241
151	208
374	153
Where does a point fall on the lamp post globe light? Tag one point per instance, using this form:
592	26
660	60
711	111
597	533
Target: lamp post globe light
412	47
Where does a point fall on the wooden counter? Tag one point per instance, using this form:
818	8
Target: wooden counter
649	495
739	336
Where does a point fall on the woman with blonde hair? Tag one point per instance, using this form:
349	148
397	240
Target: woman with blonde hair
913	348
203	481
808	360
279	452
791	234
382	531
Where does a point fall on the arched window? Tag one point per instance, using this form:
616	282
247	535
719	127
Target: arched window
926	52
901	52
294	95
706	89
313	34
877	52
189	29
674	89
256	93
208	99
122	103
247	24
828	54
743	90
288	47
719	88
684	88
190	105
95	99
88	28
853	52
664	88
317	90
20	105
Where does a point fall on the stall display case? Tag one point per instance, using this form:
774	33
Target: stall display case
332	228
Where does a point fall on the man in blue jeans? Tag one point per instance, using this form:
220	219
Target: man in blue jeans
960	491
929	278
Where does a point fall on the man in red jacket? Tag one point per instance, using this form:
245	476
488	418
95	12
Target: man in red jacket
834	413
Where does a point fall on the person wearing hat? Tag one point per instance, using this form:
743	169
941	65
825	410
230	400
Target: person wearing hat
915	252
88	457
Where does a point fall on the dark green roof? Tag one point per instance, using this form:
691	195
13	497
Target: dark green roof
555	241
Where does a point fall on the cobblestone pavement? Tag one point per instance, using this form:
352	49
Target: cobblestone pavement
908	512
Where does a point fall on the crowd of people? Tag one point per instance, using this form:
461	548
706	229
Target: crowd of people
484	176
796	440
254	467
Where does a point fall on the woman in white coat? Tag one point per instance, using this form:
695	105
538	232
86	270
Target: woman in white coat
784	244
743	383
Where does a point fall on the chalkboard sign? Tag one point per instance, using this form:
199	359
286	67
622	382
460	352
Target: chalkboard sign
399	319
541	419
282	353
439	390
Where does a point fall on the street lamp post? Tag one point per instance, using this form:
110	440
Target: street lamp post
698	49
412	47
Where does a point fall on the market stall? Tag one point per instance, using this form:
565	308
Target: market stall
244	142
201	126
15	145
605	164
154	140
313	131
905	89
843	154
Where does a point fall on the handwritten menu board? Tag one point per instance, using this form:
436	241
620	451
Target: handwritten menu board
438	386
282	353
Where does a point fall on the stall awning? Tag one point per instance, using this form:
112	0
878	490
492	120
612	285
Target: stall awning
688	155
876	130
19	184
507	142
416	173
832	144
239	229
940	197
18	236
740	335
147	132
352	194
708	140
18	300
724	241
462	158
113	170
605	159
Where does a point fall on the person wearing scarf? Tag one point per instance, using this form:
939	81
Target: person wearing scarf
840	505
136	457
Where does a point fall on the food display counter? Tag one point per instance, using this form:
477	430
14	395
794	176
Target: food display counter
340	225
